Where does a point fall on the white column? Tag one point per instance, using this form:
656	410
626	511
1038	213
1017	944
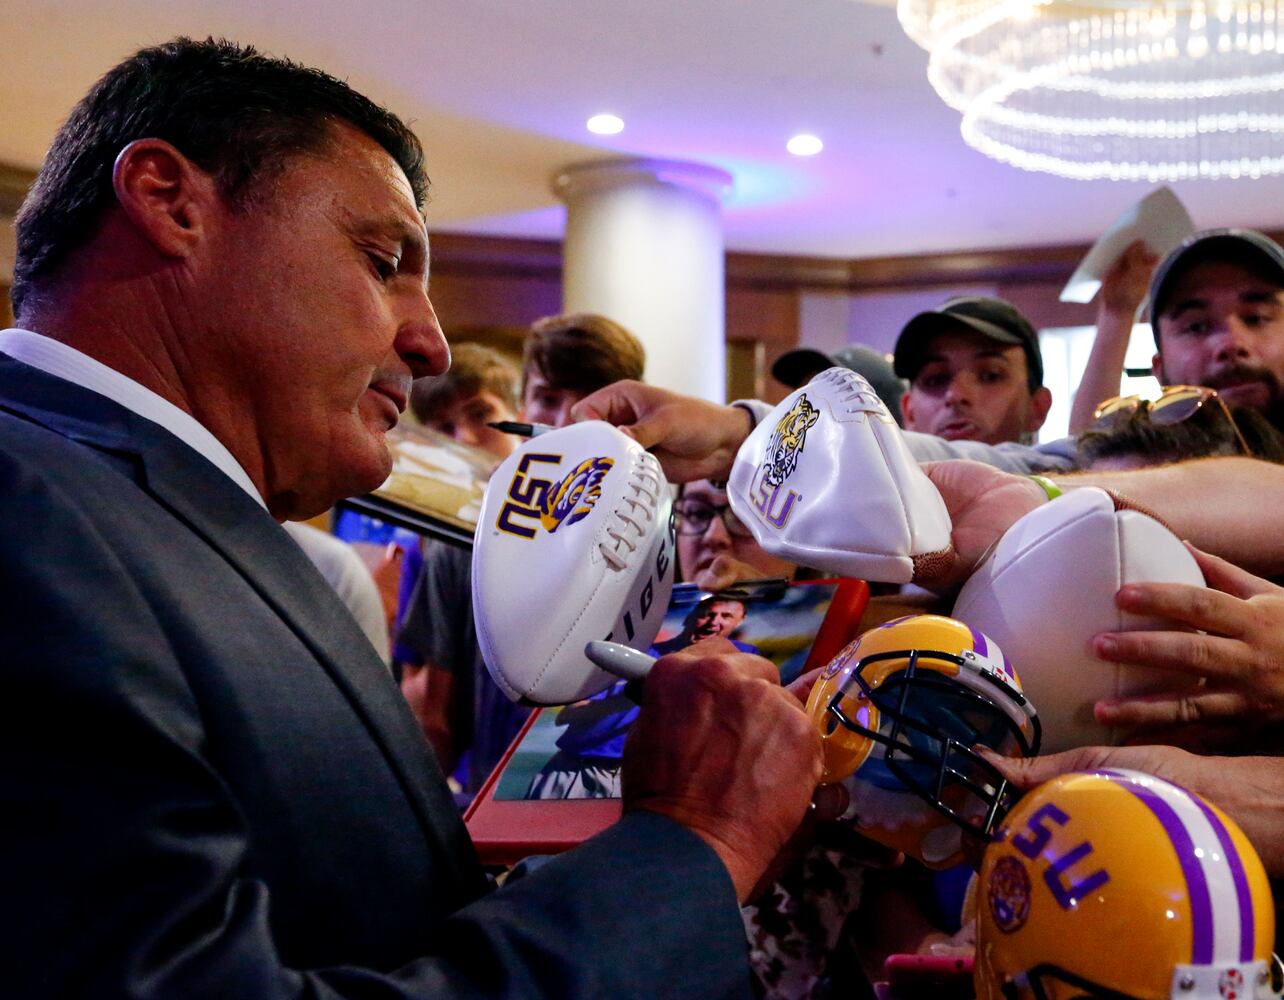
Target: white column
644	247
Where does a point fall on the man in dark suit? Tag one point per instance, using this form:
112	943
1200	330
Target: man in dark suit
210	785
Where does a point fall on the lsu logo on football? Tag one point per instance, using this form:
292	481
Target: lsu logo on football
768	493
551	503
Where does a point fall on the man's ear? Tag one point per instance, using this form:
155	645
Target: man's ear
907	412
1040	403
165	195
1157	368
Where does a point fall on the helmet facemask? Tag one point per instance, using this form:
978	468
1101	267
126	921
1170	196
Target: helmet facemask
930	727
902	725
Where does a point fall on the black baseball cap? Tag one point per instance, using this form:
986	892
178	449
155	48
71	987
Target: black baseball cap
795	367
992	318
1238	246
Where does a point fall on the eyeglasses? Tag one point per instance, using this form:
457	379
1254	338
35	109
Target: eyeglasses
1175	404
695	516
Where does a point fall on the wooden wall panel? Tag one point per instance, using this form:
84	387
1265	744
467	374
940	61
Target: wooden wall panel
489	282
1039	302
475	300
768	316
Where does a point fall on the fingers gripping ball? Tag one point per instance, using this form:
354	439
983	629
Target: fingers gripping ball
575	542
826	480
900	712
1049	586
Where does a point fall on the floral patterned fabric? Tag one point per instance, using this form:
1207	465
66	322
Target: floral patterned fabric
797	946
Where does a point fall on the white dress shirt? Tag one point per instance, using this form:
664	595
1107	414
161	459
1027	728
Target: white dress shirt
56	358
339	564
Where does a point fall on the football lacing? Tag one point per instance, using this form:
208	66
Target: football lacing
644	482
856	393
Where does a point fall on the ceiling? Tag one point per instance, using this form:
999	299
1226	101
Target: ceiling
499	91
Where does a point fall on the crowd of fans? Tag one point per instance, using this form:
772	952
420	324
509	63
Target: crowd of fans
966	380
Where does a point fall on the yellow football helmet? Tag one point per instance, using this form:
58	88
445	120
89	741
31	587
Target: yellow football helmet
1117	884
900	711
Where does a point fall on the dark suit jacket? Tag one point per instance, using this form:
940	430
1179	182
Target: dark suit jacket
210	787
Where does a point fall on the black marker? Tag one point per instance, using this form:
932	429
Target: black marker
525	430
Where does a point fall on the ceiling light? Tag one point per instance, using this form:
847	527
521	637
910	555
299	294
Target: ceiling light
605	124
804	145
1154	90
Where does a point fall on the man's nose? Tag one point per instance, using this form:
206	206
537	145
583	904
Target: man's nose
466	434
420	342
1235	340
959	390
716	534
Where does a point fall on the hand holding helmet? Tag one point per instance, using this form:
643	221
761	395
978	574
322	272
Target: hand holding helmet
900	712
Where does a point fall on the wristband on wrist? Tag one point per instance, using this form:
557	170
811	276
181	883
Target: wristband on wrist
1047	485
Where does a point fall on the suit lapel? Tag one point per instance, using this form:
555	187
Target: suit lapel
217	510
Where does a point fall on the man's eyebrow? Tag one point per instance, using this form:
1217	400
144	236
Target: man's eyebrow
1185	305
1261	295
394	227
1249	296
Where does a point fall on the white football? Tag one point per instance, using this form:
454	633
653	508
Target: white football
1049	587
575	543
827	481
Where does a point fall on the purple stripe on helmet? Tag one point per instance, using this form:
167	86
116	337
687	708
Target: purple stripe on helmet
979	645
1201	902
1242	894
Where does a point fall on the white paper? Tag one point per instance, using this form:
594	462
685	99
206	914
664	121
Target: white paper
1159	218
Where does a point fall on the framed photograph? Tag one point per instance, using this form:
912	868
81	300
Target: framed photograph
559	781
435	488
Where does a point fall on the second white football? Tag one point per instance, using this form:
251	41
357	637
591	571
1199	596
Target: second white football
1049	587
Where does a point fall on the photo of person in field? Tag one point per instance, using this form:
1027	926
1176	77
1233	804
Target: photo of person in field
575	752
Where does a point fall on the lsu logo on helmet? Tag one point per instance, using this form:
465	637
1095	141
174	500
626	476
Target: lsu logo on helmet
575	496
1008	894
787	442
1115	883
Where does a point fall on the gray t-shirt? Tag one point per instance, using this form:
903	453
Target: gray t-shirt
439	627
1060	455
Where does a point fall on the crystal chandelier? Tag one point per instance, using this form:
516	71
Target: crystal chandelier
1155	91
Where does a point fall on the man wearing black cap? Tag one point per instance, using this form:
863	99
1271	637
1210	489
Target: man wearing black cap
1218	316
796	368
975	372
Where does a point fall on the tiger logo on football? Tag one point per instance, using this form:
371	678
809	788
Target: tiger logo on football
787	441
574	497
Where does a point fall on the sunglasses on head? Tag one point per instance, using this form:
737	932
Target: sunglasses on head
1175	404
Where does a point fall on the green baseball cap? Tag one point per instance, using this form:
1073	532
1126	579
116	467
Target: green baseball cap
990	317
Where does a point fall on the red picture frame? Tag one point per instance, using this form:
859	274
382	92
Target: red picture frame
507	830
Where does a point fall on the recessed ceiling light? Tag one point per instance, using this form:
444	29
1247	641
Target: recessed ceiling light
804	145
605	124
